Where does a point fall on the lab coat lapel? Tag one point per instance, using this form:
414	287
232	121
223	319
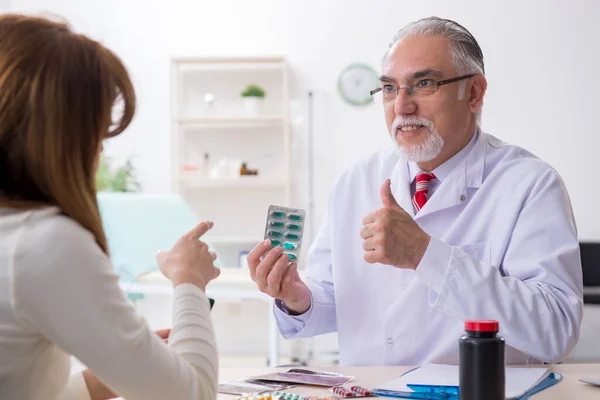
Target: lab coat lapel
451	192
467	174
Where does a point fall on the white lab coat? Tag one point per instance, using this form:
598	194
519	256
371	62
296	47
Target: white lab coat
504	247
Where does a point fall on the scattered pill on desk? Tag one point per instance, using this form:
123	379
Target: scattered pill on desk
256	397
332	398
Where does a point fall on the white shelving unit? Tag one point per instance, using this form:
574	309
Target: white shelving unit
225	240
209	119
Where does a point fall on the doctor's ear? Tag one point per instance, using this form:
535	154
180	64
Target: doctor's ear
476	92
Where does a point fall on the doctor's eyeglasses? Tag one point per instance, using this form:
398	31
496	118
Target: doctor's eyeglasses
388	92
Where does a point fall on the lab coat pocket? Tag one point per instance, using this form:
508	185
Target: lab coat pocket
481	251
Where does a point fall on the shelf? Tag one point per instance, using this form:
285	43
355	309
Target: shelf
233	283
232	240
231	278
229	60
242	181
191	64
223	122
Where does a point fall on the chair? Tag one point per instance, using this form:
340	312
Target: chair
137	226
590	264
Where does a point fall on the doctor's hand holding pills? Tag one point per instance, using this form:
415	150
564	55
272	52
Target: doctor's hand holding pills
391	236
274	275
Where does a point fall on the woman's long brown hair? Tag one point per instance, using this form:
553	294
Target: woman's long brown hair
58	91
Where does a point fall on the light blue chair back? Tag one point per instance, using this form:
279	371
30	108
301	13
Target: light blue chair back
138	225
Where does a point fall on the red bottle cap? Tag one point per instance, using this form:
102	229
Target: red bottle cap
482	326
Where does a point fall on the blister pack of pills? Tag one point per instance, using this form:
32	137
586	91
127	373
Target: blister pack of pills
285	228
354	391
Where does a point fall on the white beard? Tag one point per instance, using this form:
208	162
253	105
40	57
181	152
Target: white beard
423	152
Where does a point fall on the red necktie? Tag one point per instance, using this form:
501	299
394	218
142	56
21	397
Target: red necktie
420	197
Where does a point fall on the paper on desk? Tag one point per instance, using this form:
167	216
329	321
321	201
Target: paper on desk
250	387
306	377
518	380
591	381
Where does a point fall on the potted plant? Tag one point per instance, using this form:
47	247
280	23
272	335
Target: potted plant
253	98
122	179
110	182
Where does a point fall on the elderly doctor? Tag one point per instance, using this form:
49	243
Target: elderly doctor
451	224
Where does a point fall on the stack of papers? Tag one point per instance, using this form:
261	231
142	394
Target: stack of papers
249	386
305	377
519	380
282	380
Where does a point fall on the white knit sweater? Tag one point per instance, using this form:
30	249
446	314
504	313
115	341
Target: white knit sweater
60	297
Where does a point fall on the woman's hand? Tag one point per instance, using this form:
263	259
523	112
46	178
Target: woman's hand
189	261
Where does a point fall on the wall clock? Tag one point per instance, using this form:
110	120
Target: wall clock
355	83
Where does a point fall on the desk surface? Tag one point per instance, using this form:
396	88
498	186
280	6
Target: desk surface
568	388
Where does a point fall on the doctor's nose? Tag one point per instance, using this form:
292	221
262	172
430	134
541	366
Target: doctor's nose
404	103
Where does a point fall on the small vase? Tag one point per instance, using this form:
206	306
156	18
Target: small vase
253	106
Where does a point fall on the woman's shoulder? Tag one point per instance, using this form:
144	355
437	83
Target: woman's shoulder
51	225
48	234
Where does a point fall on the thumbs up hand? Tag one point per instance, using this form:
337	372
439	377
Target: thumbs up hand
391	236
387	198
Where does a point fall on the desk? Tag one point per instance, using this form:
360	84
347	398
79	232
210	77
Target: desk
568	388
233	283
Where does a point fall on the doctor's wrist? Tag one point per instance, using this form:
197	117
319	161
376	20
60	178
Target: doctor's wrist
419	250
298	307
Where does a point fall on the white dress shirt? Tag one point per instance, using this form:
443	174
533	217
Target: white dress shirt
504	247
60	297
441	172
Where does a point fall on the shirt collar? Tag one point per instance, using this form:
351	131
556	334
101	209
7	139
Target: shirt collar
444	170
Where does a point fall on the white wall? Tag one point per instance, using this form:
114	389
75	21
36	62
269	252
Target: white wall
541	63
540	58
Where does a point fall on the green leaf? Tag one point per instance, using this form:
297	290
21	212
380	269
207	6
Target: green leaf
123	179
253	91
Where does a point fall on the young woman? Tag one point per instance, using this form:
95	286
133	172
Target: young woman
58	294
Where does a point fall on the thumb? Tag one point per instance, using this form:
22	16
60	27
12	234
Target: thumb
387	198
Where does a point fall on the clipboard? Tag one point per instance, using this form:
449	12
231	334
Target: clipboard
452	392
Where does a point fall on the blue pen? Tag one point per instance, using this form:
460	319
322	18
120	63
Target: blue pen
415	394
438	392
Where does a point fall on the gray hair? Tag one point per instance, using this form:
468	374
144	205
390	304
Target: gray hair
466	53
